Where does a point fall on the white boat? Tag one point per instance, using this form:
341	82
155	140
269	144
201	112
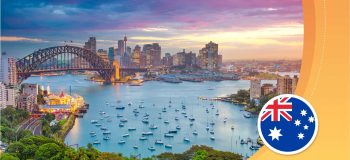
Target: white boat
103	128
168	146
126	135
152	149
176	110
176	118
207	128
178	127
121	124
119	116
94	121
168	135
212	138
123	120
93	135
96	142
106	132
247	115
212	132
192	118
106	138
147	133
152	126
145	121
98	125
186	139
136	147
143	138
166	122
159	142
120	107
232	127
92	132
121	142
195	132
131	129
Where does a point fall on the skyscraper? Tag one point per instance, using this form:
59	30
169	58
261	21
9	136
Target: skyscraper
209	58
152	54
111	54
121	48
136	56
2	96
91	44
8	70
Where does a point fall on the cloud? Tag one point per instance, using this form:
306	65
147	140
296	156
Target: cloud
14	39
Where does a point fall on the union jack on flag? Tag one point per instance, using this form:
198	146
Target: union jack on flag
287	124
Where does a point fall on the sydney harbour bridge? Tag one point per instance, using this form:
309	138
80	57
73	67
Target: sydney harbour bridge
69	58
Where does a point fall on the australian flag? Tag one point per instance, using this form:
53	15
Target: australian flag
287	124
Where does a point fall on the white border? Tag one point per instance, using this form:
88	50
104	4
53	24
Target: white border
296	151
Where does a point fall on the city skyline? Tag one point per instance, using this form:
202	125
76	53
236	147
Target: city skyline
243	30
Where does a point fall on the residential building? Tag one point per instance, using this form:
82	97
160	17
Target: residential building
266	89
167	60
103	54
287	85
2	96
255	89
91	44
27	102
10	94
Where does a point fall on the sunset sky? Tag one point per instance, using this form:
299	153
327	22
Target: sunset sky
244	29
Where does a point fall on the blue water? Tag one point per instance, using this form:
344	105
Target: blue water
157	93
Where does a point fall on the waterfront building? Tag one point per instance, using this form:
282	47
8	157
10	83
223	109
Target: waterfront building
62	103
152	54
2	96
179	59
136	56
190	59
287	85
103	54
209	57
27	102
255	89
91	44
267	88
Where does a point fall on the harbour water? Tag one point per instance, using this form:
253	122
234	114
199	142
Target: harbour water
154	96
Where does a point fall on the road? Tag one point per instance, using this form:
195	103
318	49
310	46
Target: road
32	124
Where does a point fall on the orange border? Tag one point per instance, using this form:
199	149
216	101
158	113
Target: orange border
325	79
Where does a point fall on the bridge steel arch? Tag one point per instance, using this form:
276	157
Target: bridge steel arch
30	64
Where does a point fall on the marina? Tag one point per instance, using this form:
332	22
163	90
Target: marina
143	128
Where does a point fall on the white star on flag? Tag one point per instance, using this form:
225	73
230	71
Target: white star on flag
311	119
300	136
303	113
275	133
306	127
297	122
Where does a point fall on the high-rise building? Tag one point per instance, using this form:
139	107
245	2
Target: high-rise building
179	59
91	44
136	56
111	54
255	89
209	58
152	54
10	94
190	59
2	96
267	88
1	68
9	71
287	85
26	102
121	48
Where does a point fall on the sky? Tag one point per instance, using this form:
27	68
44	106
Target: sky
244	29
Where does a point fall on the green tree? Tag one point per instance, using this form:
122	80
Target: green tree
7	156
47	151
16	149
200	155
